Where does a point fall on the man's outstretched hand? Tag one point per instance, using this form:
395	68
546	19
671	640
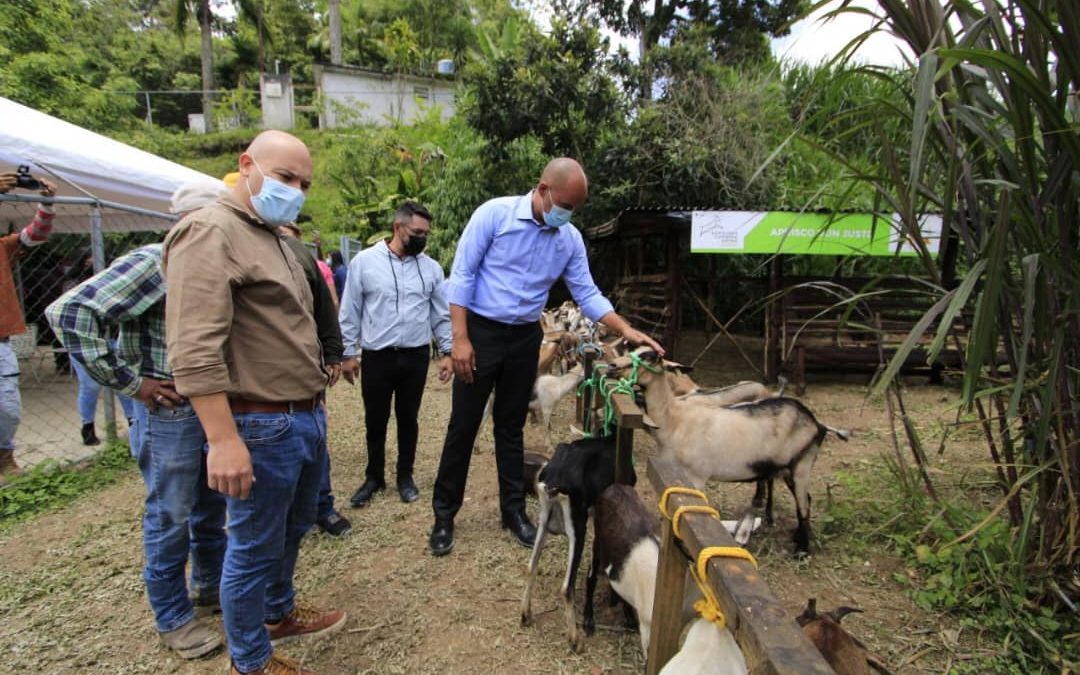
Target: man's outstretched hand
636	337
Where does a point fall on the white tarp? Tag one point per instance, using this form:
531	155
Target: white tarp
104	168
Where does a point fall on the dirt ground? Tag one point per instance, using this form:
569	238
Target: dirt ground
72	598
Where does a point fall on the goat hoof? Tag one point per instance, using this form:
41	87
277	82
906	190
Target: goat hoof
577	643
589	627
526	619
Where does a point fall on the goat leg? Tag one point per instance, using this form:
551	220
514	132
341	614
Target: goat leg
546	505
763	498
575	519
799	483
588	623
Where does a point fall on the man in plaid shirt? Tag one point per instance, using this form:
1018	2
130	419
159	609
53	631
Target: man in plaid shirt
182	513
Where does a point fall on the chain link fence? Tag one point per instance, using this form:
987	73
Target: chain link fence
87	236
349	248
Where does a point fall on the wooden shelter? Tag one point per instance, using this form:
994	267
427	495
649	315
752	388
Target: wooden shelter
643	255
638	258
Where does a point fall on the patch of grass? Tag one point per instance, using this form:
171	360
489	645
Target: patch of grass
50	485
1018	625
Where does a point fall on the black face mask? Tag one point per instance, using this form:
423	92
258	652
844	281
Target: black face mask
415	245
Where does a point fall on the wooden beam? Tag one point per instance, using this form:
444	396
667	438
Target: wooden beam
719	324
667	615
624	455
771	641
627	413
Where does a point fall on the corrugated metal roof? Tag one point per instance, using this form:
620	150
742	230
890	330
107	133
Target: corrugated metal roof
610	227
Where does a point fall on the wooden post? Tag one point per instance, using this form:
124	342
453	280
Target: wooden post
710	294
774	317
768	636
585	400
624	455
675	294
667	602
627	418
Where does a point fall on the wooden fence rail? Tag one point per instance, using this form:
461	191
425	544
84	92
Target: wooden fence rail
771	641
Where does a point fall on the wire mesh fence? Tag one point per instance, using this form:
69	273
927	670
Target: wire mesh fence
349	248
56	402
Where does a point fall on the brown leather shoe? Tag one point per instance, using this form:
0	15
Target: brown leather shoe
8	467
193	640
304	621
277	665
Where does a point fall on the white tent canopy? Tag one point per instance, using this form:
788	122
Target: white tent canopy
74	158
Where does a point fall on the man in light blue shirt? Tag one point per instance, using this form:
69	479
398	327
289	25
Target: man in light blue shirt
511	252
394	300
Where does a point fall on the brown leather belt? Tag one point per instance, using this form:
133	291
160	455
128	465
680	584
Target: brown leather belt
243	405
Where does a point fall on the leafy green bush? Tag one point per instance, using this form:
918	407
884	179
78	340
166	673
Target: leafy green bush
50	485
975	579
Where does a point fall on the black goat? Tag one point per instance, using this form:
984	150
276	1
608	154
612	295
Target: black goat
574	479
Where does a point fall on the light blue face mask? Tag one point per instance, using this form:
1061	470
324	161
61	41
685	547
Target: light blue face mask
276	203
557	216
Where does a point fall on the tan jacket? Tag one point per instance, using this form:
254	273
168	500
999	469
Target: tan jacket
238	313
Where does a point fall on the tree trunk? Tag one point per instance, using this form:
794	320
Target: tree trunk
334	9
207	63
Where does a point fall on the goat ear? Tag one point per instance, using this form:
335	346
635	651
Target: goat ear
648	421
809	614
649	356
676	367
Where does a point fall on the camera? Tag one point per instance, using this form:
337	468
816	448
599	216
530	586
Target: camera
25	180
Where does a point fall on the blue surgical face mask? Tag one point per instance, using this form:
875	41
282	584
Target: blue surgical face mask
276	203
557	216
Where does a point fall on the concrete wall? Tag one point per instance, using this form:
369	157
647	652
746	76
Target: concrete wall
276	95
352	96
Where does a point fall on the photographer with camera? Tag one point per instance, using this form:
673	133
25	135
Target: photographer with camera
11	315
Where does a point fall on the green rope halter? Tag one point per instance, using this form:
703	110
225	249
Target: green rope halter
607	387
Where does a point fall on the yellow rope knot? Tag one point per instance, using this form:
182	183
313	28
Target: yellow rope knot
678	490
676	517
709	607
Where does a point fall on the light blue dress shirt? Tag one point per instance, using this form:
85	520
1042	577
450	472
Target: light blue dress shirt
393	302
506	263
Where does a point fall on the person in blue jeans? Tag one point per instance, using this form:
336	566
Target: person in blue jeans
89	391
324	311
244	347
183	518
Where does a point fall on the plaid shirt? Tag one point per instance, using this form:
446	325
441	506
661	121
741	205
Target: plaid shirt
130	294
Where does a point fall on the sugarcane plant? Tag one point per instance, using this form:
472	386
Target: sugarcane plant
991	119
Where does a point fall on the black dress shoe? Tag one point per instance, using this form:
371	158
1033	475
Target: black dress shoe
518	524
362	496
407	489
441	540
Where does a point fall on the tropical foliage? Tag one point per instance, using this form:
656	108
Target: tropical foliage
981	126
991	119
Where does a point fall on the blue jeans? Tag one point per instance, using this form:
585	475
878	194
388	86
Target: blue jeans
89	390
10	399
326	496
266	528
182	514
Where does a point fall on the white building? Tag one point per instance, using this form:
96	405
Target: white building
350	95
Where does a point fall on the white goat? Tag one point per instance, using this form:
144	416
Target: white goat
547	392
739	443
707	650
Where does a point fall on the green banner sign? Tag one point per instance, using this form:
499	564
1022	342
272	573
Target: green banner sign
862	234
